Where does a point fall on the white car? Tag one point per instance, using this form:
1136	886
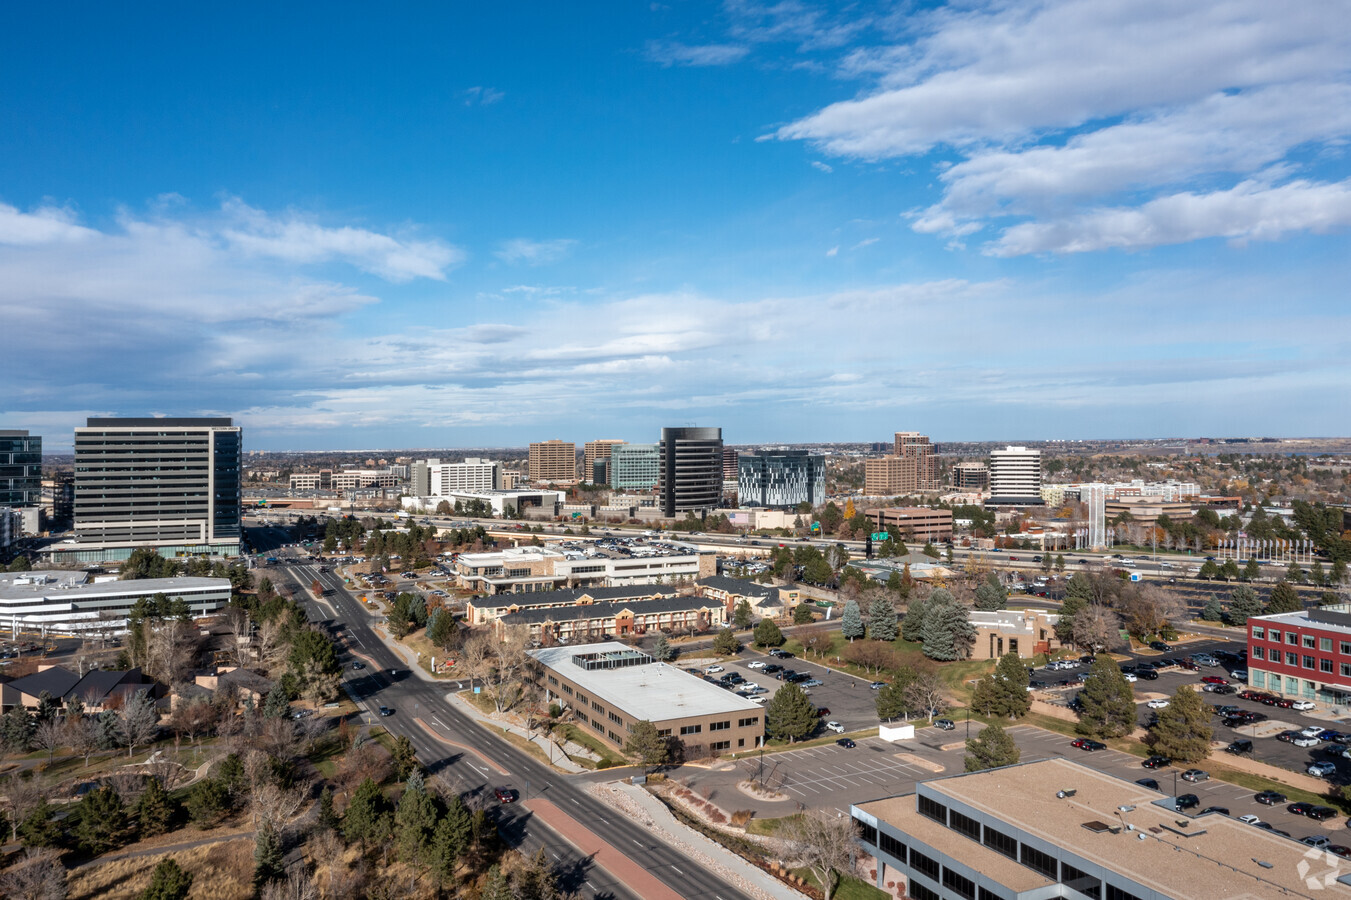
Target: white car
713	670
756	664
756	699
1129	676
1321	769
1303	705
1312	731
1239	674
835	727
1250	820
1305	741
1157	704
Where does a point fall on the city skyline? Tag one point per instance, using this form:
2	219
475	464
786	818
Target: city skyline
799	223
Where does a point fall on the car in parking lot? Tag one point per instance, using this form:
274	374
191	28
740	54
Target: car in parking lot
755	664
1219	688
822	711
812	682
1157	761
1269	798
1340	850
1187	801
1250	819
780	654
713	670
772	668
1240	746
1312	731
1301	740
835	727
878	685
1303	705
1160	646
1317	841
1239	674
1088	744
1213	679
1322	769
1130	676
1149	783
1299	809
944	724
1196	775
847	743
1157	703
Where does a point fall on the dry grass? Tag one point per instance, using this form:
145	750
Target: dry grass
220	872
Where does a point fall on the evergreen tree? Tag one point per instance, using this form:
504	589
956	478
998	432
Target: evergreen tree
277	705
726	644
362	821
415	823
1229	571
1209	570
790	714
169	881
1060	562
912	626
1183	730
1338	571
1213	611
767	634
851	620
1295	573
102	821
208	802
892	700
1252	570
802	614
948	633
1316	574
930	550
537	881
645	745
661	649
156	810
991	749
405	757
16	729
328	817
742	614
882	624
1108	701
1243	605
1011	680
497	887
268	859
990	594
450	841
1284	599
38	828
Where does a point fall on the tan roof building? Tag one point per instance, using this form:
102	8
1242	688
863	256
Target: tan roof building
553	462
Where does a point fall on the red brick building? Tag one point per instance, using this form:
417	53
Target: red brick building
1302	654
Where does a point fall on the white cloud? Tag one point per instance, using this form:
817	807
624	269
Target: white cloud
534	253
866	242
820	166
481	96
674	53
833	251
45	225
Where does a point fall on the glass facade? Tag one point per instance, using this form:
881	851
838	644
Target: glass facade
635	467
691	470
781	479
20	469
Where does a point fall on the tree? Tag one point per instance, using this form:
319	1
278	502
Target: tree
912	626
450	840
726	644
1011	680
1284	599
767	634
137	722
1183	730
277	705
169	881
661	649
1252	571
948	633
269	861
646	746
362	821
415	822
1213	611
802	614
925	693
851	620
1294	573
208	802
742	614
825	845
404	756
1096	628
790	714
1229	570
991	749
1316	574
990	594
1060	562
16	729
882	619
48	736
1243	605
930	550
38	876
1108	701
40	829
156	810
102	821
1209	570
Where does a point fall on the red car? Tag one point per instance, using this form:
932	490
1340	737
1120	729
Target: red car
1088	744
1214	679
506	795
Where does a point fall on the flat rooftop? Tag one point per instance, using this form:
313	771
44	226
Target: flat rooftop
655	691
1205	858
140	587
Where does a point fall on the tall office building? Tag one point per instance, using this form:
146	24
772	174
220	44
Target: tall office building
781	479
172	484
434	478
20	469
913	445
635	467
691	470
970	476
597	450
1015	477
553	462
911	467
1094	496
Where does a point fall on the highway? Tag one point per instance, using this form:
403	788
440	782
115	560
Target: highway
486	761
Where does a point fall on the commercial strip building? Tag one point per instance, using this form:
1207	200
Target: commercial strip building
171	484
635	467
1302	654
553	462
781	479
1055	828
603	619
66	603
1015	477
522	569
691	468
487	609
914	523
609	688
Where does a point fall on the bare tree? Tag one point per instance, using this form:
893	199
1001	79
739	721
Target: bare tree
824	844
873	656
298	884
49	736
476	656
82	736
21	798
926	693
168	645
815	640
271	642
241	632
38	876
274	806
329	850
1148	608
1096	628
137	722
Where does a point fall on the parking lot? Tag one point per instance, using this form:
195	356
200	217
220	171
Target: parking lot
848	699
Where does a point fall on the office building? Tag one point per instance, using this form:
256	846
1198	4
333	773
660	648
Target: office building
172	484
970	476
582	622
1305	654
548	568
691	471
531	503
58	497
11	527
359	479
1094	496
67	603
597	451
553	462
486	609
610	687
1024	632
781	479
913	445
434	478
731	465
20	469
635	467
914	523
1015	477
1056	828
911	467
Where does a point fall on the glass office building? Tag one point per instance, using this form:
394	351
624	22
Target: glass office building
691	470
781	479
20	468
635	467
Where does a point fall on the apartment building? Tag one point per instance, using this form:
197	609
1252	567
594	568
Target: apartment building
553	462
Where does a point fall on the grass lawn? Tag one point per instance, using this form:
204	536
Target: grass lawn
768	827
848	888
578	736
482	701
954	675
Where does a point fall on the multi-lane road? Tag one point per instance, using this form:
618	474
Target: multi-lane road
474	761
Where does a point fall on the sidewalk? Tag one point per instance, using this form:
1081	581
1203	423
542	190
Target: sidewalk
658	820
560	757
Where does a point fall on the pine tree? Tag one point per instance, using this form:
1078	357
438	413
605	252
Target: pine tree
790	714
268	859
328	817
645	745
497	887
277	705
449	841
1252	571
912	626
1295	573
1209	570
1316	574
39	829
802	614
661	649
1060	562
1284	599
156	810
1108	701
990	594
1213	611
768	634
882	619
1243	605
948	633
102	821
1011	680
169	881
991	749
726	644
415	822
742	614
362	820
405	757
1183	730
851	620
892	701
207	802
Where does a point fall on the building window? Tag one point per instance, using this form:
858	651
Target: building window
959	884
1291	637
597	707
920	892
1116	893
1001	843
1258	633
582	698
1259	678
663	732
964	825
1325	645
553	680
934	810
567	689
1291	659
1325	665
865	832
1259	652
1275	635
889	845
581	717
616	718
1344	648
719	726
1041	862
1346	670
986	894
690	729
1308	642
1309	662
1082	882
746	723
720	745
924	865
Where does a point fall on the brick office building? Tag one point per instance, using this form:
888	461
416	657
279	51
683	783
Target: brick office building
1302	654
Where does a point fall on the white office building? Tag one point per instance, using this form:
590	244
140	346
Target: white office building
1015	477
434	478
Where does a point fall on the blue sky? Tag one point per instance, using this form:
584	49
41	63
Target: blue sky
432	227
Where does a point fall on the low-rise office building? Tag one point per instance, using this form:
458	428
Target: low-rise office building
547	568
603	619
1302	654
970	476
1147	509
1056	828
502	502
914	523
65	603
610	687
1024	632
489	608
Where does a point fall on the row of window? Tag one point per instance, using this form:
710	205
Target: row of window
616	718
1297	660
1308	641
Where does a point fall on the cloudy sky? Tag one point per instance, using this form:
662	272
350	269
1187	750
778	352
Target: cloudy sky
430	227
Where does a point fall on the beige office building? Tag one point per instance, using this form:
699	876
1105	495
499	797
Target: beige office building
553	462
595	450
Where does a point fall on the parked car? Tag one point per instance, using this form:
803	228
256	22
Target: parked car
1149	783
1342	851
847	743
1220	810
1322	813
835	727
1157	703
713	670
1187	801
772	668
755	664
1303	705
878	685
1240	746
1148	673
1317	841
1196	775
1157	761
1239	674
1130	676
1213	679
1159	646
1304	741
1312	731
1219	688
944	724
1250	819
1088	744
1322	769
1299	809
1269	798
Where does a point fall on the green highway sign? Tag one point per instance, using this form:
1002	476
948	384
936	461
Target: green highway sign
880	535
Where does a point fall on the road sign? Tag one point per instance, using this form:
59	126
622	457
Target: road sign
880	535
816	526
